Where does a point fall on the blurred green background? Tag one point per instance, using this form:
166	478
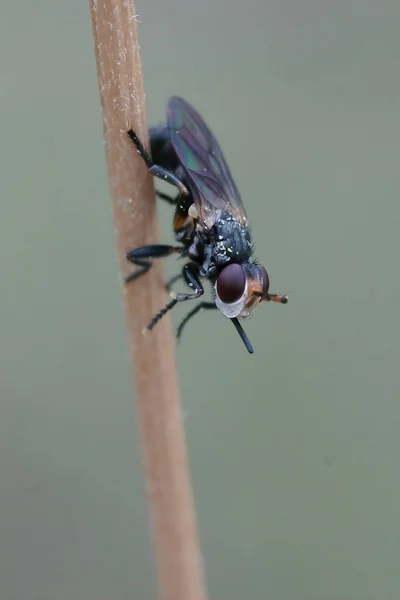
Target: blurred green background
295	451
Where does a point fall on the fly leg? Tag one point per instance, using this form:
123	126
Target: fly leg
194	311
172	280
167	198
141	257
156	170
190	274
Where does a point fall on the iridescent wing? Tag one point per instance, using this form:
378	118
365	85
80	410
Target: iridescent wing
209	178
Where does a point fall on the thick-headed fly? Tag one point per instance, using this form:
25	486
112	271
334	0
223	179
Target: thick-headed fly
210	222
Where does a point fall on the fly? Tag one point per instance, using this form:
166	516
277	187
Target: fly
210	222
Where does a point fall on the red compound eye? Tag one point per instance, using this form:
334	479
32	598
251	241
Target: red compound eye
231	283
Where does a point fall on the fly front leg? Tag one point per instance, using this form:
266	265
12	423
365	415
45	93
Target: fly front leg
141	257
156	170
190	274
194	311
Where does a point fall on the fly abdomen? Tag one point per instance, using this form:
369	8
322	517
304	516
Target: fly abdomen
162	151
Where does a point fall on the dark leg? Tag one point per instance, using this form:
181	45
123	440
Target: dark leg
140	257
156	170
171	281
167	198
199	307
190	274
144	265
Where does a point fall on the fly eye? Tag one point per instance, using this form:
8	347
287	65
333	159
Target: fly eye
264	279
231	283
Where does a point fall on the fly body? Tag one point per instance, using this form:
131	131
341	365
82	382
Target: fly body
210	221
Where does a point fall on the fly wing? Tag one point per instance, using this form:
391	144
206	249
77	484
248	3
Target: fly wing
210	180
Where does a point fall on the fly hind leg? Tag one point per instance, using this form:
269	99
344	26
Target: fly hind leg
156	170
167	198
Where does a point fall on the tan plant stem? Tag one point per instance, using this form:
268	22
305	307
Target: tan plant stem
178	558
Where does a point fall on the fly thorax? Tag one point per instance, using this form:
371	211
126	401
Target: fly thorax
231	240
